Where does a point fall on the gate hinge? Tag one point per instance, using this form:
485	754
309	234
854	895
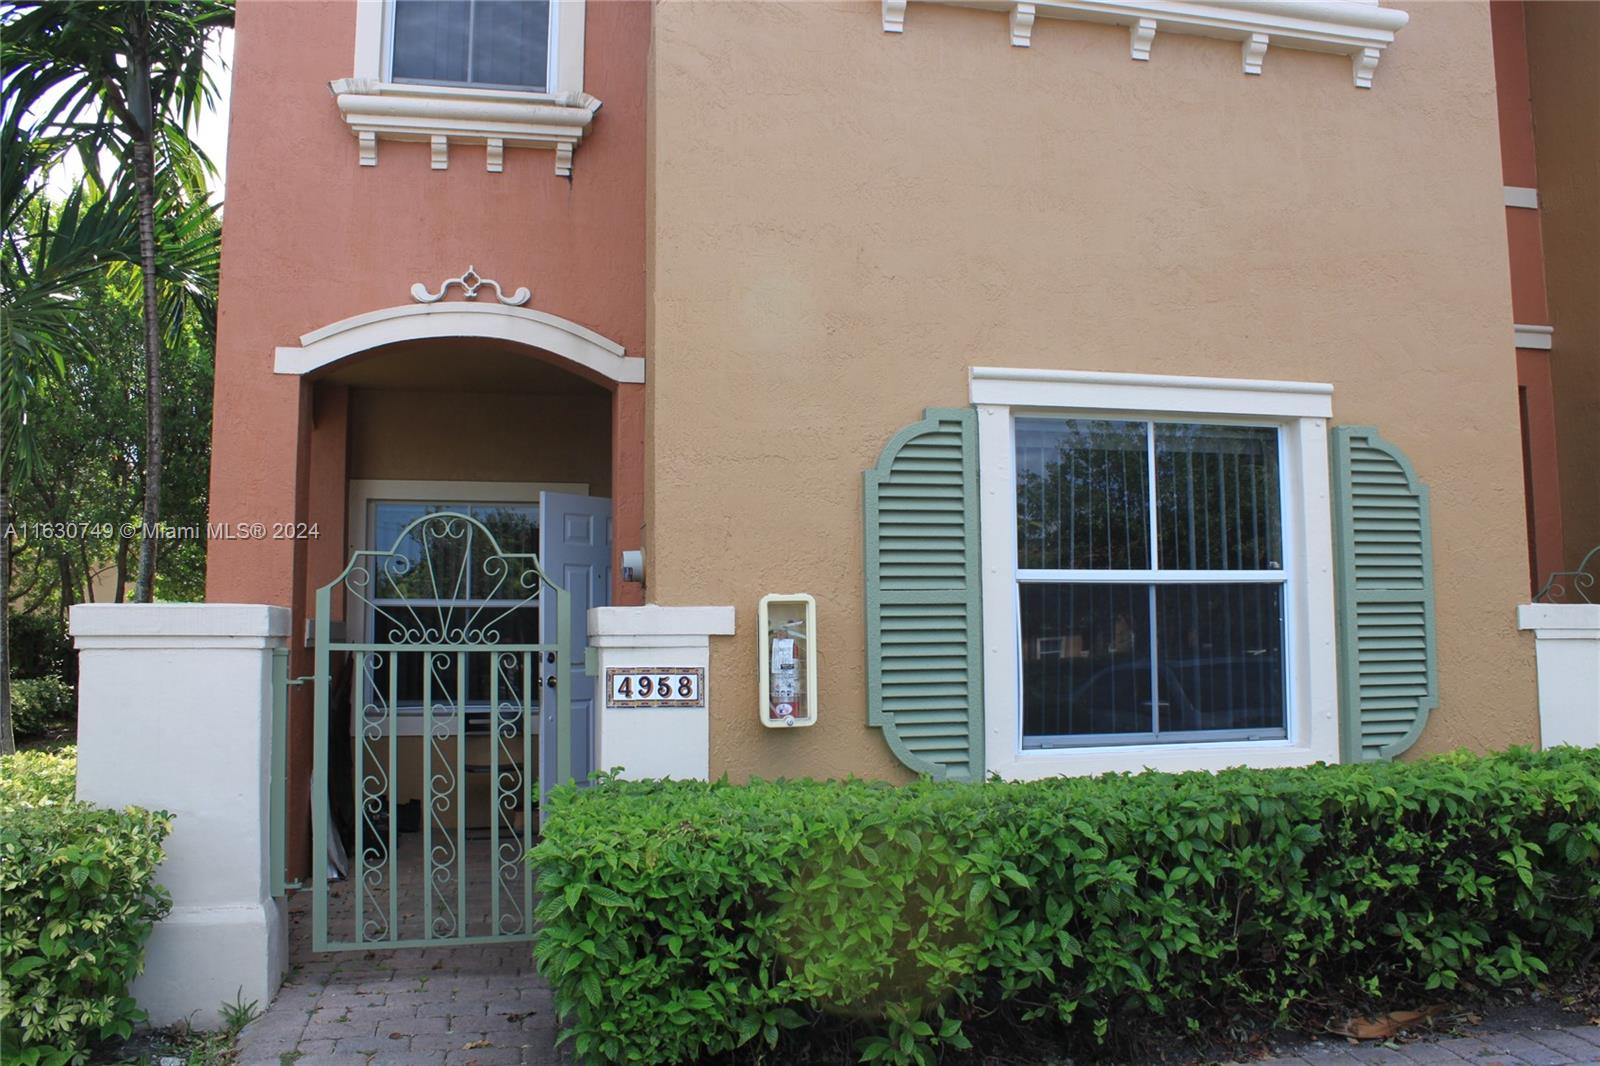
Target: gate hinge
300	680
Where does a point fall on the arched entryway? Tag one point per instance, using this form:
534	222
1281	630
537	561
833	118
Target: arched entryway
521	419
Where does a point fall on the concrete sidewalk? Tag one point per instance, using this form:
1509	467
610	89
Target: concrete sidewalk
1546	1041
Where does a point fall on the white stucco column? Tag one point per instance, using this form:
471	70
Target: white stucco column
672	739
175	714
1567	647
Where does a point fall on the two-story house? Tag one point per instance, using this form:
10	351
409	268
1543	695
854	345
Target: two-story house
1127	382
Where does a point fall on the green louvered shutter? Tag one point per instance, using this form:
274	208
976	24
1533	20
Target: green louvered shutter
924	631
1383	562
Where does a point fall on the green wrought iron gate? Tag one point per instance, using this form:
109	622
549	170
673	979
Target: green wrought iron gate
439	689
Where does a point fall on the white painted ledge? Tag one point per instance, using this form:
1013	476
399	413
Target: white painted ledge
447	115
1561	621
178	625
654	626
1540	337
1357	28
1567	648
1522	196
438	321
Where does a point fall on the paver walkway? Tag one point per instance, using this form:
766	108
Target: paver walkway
481	1004
1527	1044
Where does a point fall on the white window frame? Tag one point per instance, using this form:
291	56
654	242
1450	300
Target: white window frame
374	48
1300	411
366	493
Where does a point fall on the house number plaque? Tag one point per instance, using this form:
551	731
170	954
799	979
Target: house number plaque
644	686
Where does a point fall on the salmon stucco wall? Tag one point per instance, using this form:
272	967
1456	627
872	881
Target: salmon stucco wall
1564	67
311	238
843	221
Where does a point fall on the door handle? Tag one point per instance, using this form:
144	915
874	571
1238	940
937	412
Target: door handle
550	682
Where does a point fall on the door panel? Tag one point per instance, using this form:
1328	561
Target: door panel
575	534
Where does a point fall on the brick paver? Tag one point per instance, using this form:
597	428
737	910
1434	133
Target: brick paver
469	1006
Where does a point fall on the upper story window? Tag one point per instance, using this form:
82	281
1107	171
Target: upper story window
502	44
464	73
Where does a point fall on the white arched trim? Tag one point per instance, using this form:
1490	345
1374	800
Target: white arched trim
392	325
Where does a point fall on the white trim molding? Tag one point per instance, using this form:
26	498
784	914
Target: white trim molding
1359	29
1522	196
1152	393
1540	337
442	114
1301	411
535	329
376	107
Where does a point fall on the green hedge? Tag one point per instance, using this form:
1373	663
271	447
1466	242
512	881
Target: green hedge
37	703
683	920
77	903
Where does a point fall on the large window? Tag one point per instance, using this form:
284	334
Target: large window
1151	582
489	43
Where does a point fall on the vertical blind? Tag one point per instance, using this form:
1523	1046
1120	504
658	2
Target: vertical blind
1151	587
472	42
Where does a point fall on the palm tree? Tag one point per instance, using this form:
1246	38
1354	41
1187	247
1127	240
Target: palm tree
129	79
49	253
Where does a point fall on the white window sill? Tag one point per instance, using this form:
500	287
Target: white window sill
442	115
1357	28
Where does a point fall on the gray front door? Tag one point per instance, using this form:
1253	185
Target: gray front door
575	552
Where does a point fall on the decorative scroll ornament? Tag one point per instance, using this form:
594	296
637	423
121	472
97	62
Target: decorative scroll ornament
470	283
1570	586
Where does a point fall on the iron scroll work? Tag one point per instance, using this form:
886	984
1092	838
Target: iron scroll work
445	689
1566	583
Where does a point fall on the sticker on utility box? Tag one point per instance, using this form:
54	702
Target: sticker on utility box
641	686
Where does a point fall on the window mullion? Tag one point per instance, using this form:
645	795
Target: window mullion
472	25
1154	562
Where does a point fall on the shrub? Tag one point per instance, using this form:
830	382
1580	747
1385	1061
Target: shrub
36	778
37	703
77	903
682	920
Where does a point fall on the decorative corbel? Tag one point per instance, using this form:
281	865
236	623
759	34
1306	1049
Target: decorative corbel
1362	64
894	16
1255	50
1140	36
1021	25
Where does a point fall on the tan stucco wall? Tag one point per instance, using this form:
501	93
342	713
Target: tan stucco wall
463	436
1563	50
844	221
